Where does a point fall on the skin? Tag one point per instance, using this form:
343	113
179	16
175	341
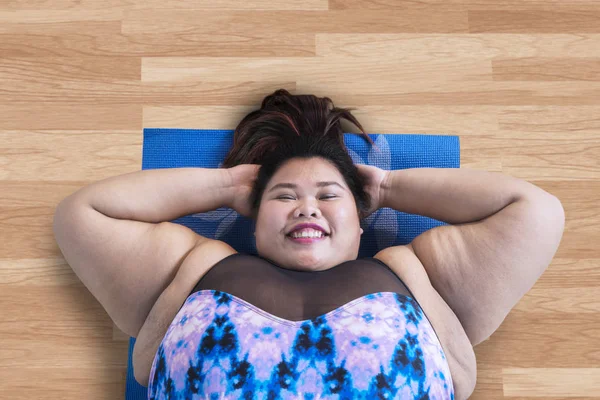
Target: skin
283	208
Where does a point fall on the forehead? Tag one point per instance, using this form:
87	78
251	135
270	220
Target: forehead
307	172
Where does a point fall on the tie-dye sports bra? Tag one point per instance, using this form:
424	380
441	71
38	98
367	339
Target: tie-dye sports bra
252	330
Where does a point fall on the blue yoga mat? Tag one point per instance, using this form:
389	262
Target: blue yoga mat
207	148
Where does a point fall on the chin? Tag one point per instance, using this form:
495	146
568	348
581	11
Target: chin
310	267
294	265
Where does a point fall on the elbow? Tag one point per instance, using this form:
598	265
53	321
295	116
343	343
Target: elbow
548	209
66	224
58	223
62	214
555	214
141	379
141	375
560	218
545	217
65	212
560	210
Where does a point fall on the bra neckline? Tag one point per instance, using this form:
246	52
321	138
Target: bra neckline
284	321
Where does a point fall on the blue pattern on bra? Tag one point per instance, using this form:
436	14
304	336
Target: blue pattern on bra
223	357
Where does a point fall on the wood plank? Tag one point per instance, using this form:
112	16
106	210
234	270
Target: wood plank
538	19
580	300
293	22
489	382
68	116
543	340
460	4
424	47
546	69
68	156
568	273
57	28
98	94
106	39
366	91
169	69
84	314
77	5
551	382
104	69
73	382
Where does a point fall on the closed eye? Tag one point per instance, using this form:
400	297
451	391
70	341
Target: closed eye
291	198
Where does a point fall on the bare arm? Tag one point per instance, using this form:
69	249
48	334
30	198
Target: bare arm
116	237
158	195
454	195
502	234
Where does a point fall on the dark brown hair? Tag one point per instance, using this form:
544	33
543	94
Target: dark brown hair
295	126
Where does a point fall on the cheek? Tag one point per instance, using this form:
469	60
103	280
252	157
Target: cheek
343	218
272	219
346	211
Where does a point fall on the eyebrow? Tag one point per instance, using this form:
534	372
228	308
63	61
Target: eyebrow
294	186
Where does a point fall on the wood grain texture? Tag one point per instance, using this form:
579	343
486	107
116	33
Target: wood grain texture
518	81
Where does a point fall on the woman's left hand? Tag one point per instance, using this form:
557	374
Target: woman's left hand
375	178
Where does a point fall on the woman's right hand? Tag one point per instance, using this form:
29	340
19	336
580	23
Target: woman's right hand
376	181
243	177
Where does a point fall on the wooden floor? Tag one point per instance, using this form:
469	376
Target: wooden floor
518	81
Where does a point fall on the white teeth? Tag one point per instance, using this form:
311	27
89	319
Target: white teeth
310	233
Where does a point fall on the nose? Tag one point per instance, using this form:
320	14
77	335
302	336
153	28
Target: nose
307	208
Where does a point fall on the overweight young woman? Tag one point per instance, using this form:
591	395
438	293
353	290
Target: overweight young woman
306	318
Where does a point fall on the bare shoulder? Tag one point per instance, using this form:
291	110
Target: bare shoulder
403	261
199	261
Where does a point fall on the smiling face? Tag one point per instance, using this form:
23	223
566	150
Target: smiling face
330	206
